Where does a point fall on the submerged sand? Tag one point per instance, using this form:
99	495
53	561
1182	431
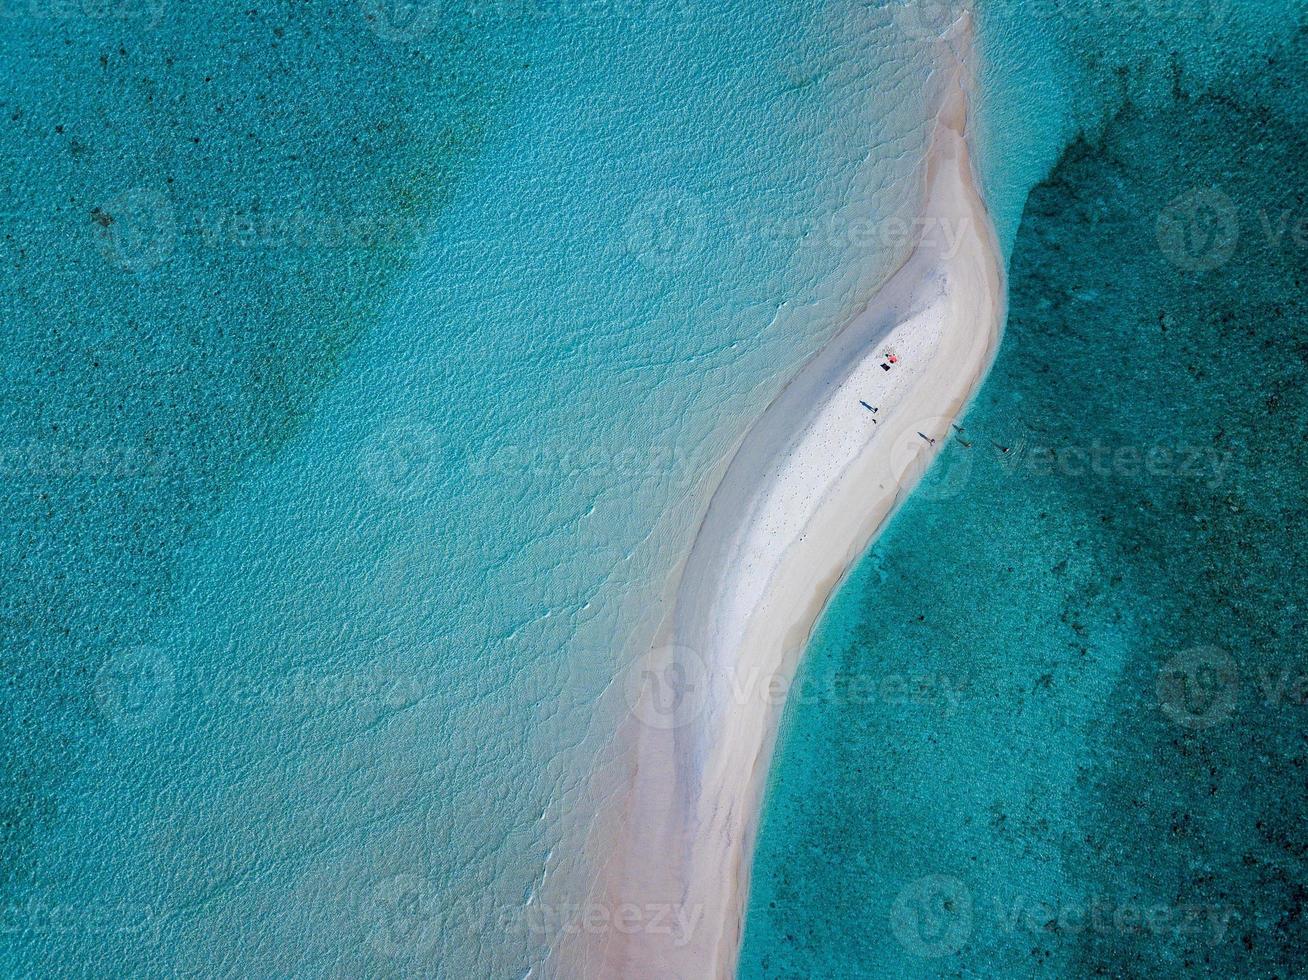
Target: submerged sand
811	484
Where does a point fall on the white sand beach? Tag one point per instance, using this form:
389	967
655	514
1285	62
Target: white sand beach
810	485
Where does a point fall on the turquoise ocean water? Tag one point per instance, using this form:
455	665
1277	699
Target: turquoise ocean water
1052	725
361	361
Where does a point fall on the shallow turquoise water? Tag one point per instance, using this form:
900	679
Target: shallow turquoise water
354	360
188	256
1053	722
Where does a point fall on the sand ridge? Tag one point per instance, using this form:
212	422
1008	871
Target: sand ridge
812	482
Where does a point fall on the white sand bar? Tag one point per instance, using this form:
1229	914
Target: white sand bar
812	482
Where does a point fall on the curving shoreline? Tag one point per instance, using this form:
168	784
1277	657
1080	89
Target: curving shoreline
812	482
